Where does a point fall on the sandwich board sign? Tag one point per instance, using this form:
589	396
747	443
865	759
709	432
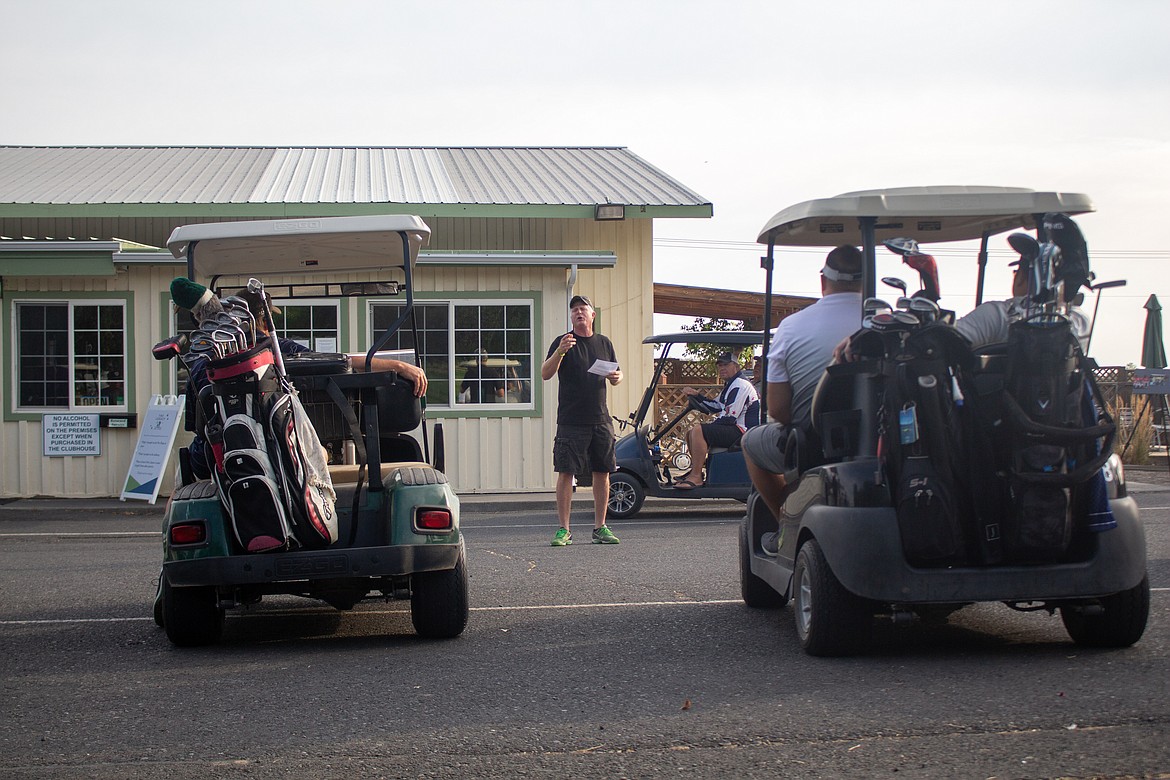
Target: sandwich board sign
155	438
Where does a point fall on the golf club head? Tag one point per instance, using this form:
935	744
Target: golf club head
906	318
923	304
875	305
903	303
225	341
1027	247
895	282
901	246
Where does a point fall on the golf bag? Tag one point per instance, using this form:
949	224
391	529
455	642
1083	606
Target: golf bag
1056	439
922	441
270	466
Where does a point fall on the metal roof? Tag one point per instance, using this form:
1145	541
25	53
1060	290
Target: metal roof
422	176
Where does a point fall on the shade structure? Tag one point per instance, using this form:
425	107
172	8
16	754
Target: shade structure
1153	350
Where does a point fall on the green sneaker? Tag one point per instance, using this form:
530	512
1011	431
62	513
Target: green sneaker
604	536
562	538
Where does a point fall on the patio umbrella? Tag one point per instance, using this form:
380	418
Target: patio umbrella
1153	350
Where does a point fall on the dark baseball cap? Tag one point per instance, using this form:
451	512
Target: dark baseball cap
254	302
727	357
577	300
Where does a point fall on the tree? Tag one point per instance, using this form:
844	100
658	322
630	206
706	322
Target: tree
707	353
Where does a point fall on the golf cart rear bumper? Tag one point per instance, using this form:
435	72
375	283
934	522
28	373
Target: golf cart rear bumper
864	550
370	562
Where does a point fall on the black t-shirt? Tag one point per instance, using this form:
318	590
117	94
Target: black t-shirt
581	396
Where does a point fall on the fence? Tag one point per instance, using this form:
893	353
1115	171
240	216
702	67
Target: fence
1116	383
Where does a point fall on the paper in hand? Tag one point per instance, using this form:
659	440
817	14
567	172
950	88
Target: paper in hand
603	367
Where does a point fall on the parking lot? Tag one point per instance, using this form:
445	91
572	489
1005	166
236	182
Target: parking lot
635	660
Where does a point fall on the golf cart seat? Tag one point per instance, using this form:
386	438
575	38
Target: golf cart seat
843	415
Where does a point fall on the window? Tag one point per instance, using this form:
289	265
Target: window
474	352
313	324
71	355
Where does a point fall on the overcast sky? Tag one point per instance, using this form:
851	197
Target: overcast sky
755	105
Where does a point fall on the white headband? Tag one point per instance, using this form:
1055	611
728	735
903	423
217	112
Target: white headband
833	275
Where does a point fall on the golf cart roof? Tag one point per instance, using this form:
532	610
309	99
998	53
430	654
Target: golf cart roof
281	246
927	214
735	338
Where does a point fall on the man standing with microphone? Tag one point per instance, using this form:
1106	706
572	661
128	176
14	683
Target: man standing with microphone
583	361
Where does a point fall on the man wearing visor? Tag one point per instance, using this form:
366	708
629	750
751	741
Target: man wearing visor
802	347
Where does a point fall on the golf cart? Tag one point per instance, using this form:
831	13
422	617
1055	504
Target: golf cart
646	454
396	520
850	547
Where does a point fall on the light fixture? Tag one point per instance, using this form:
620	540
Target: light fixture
609	211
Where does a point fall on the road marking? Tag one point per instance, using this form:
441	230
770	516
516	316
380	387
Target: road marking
324	611
85	534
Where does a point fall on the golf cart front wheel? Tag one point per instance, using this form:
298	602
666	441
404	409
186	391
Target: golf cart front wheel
829	619
1117	621
626	495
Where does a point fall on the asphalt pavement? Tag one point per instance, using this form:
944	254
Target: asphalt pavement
1139	479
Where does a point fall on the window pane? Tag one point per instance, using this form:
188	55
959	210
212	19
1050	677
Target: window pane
111	342
57	318
519	318
85	343
85	317
31	317
491	317
111	318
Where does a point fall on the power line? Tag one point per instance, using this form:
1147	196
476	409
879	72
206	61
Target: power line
751	246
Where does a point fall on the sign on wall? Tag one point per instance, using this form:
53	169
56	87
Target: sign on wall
1151	381
68	435
155	438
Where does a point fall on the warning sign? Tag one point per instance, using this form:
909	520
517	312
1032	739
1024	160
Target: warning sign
66	435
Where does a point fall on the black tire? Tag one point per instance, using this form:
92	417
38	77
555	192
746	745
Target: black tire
626	495
191	616
439	602
1122	622
755	592
829	619
158	602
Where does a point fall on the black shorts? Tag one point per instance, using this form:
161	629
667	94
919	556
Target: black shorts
721	435
584	449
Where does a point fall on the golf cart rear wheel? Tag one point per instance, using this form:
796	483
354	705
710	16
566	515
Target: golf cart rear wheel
626	495
439	602
1121	622
829	619
755	592
191	616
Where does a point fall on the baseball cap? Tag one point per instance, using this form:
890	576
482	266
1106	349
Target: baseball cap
254	302
577	300
726	357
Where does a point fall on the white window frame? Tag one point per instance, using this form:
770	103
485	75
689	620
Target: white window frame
453	360
73	406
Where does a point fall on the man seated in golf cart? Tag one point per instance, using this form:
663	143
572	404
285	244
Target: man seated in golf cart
198	453
737	408
801	348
